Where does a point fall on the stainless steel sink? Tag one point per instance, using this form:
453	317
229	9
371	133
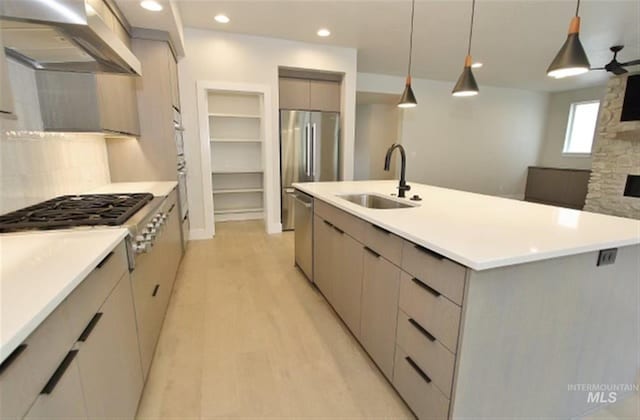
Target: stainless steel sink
371	201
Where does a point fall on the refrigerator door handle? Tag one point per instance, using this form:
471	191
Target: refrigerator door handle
314	132
307	164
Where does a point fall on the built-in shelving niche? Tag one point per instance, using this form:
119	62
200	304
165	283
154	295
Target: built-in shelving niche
236	135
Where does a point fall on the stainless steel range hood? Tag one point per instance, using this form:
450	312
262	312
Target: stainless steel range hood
63	35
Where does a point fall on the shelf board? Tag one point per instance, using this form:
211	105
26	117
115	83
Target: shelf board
238	190
219	140
224	115
232	211
239	171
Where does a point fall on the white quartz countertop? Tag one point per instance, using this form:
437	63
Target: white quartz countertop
481	231
38	270
158	189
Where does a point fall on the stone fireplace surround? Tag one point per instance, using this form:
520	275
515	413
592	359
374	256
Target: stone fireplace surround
616	155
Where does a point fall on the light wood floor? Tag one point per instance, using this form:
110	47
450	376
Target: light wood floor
246	335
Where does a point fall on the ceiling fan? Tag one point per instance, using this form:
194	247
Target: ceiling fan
614	66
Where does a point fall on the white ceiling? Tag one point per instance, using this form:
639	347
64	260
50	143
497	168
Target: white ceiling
515	39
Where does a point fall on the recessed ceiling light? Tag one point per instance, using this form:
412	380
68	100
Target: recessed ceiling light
324	32
476	65
222	19
152	5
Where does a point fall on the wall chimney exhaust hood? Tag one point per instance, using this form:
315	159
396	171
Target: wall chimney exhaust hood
63	35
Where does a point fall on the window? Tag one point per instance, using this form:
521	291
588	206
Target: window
581	127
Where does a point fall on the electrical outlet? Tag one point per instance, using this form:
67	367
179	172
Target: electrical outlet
607	256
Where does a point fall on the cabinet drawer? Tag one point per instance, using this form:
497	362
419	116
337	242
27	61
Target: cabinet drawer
22	379
384	243
85	300
434	312
426	351
417	389
352	225
444	275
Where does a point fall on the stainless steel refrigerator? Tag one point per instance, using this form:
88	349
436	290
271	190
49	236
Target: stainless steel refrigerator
309	151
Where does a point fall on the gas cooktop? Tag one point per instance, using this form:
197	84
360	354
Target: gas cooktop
75	210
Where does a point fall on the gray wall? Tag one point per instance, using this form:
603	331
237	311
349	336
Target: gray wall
482	144
557	119
377	127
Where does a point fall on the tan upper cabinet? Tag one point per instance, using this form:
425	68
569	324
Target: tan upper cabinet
309	95
6	98
294	93
118	105
324	96
173	77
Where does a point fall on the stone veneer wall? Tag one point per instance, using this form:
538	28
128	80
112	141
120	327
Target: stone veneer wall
616	154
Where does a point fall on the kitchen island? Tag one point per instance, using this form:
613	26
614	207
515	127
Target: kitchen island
478	306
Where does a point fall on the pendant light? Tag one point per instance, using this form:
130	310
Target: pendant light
408	99
571	60
466	85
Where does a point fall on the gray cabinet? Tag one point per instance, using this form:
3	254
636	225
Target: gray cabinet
154	155
380	288
65	399
323	266
6	98
309	95
79	364
152	284
109	358
78	102
347	287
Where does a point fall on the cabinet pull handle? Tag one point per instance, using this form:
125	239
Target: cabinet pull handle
57	375
372	252
340	231
422	329
429	252
171	208
90	326
104	260
418	370
383	230
327	223
12	357
426	287
155	290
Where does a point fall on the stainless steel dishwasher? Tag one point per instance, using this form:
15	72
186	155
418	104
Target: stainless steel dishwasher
304	233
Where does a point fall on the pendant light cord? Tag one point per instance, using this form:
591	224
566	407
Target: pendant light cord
473	12
413	6
577	7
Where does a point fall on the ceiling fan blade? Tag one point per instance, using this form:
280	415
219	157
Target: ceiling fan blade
618	71
597	68
631	63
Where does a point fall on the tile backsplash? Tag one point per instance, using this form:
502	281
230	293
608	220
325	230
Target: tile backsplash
38	166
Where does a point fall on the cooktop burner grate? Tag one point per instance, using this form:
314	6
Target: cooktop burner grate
75	210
